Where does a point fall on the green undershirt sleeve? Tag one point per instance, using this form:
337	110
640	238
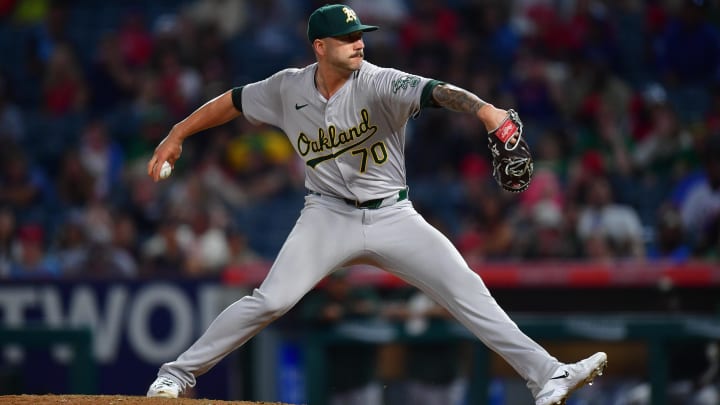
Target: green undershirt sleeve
237	97
426	99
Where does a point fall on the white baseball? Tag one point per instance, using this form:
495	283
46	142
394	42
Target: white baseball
165	170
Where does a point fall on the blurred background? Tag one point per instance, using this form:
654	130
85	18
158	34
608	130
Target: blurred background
105	275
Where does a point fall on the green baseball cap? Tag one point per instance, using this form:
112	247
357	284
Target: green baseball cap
334	20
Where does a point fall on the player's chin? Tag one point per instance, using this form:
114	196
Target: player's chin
355	62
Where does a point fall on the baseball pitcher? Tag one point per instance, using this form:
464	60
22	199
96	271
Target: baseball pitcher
346	119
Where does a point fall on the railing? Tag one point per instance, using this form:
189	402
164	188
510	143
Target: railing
82	369
654	332
621	273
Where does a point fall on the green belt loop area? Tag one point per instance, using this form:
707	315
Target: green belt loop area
375	204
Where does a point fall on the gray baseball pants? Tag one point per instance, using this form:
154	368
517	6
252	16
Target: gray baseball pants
329	234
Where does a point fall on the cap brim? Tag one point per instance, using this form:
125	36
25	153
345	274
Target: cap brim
361	27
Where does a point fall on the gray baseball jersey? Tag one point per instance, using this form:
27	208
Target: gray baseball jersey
353	147
353	144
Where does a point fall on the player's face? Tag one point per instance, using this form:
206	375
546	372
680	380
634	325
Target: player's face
346	52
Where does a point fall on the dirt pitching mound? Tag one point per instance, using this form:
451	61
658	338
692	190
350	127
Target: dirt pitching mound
115	400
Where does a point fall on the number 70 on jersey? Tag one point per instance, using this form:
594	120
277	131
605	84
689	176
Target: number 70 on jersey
377	151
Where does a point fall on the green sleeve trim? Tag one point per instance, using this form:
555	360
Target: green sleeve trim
237	97
426	99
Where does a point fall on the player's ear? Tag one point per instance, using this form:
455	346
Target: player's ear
319	46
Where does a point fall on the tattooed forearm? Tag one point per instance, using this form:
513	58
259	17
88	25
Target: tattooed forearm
456	99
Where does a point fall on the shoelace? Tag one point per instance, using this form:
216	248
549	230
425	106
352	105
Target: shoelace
164	383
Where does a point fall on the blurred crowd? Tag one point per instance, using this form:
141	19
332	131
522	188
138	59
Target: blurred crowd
620	101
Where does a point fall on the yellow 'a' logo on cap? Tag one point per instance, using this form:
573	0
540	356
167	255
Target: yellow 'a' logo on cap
351	16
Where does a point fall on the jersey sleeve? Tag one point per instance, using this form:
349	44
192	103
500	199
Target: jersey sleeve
403	93
261	101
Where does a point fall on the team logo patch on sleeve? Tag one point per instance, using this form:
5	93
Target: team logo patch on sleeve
404	83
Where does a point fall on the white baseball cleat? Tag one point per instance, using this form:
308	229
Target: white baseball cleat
164	387
569	377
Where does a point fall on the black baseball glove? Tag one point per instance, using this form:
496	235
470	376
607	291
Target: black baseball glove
512	162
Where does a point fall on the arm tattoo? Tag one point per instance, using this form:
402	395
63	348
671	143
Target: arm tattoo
456	99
